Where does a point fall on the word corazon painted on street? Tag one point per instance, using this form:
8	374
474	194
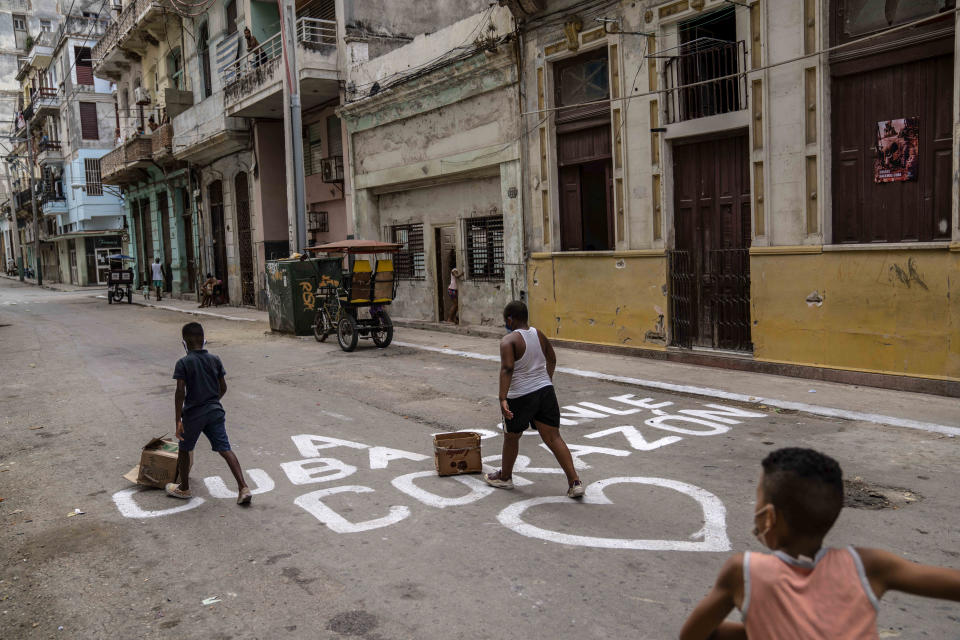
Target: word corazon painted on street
316	467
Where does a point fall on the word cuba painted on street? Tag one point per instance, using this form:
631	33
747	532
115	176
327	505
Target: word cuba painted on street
660	430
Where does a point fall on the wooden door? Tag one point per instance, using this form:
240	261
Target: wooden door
215	195
188	248
146	234
163	212
244	238
709	268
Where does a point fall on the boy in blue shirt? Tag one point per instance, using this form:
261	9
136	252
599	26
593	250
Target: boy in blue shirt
200	385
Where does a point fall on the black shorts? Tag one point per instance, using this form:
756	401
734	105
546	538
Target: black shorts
540	405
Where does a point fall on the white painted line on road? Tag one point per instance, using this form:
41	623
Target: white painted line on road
195	312
828	412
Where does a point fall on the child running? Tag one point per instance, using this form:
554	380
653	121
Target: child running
200	385
803	591
527	398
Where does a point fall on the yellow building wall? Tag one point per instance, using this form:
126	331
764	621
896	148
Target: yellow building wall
614	298
894	312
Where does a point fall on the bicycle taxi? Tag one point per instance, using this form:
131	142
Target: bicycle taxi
356	306
120	279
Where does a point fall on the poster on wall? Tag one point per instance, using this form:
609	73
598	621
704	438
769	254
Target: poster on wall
898	150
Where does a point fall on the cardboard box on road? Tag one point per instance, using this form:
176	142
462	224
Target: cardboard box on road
158	464
456	453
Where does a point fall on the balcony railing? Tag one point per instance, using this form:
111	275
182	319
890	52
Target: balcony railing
314	33
706	78
44	98
88	26
120	27
249	72
163	143
257	67
124	164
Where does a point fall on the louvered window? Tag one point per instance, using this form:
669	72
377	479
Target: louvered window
312	148
84	66
88	121
334	138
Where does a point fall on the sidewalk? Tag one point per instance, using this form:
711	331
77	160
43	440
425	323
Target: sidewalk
936	414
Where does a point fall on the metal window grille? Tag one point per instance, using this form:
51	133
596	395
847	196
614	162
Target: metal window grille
484	238
318	221
408	263
705	78
91	168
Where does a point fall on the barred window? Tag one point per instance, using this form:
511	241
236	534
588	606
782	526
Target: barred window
484	238
91	168
408	262
318	221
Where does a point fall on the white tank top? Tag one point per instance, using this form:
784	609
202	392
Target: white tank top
530	371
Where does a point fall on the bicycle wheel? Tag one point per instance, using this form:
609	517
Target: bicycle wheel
347	334
321	325
382	334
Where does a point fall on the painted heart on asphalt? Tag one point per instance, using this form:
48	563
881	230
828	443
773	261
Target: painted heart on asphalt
711	537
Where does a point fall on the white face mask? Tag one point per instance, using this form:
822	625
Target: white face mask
184	343
761	535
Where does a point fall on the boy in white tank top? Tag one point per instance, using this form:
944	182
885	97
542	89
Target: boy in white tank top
527	398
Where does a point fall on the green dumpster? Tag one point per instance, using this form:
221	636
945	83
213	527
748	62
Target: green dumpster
292	288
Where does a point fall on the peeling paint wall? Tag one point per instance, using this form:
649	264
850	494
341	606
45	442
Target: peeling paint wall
883	311
614	299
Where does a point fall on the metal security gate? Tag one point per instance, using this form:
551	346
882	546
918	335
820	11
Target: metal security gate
215	193
244	239
709	271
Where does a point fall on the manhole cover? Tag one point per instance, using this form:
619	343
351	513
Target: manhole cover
863	495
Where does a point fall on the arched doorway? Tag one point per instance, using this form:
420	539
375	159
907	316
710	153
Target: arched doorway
244	238
215	197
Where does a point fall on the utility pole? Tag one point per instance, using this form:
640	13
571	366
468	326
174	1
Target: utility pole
294	118
33	204
15	248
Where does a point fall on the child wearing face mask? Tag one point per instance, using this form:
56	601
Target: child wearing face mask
200	385
803	591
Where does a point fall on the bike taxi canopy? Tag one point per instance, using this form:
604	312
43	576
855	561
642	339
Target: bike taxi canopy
353	247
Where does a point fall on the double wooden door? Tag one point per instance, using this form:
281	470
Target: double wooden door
710	265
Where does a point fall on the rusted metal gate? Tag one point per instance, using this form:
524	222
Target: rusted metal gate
215	192
244	239
710	267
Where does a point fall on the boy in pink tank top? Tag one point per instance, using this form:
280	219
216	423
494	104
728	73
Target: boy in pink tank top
803	591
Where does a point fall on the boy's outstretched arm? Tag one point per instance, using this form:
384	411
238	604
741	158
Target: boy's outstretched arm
889	572
707	620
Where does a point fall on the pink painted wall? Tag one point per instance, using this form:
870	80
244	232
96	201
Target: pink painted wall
272	184
322	196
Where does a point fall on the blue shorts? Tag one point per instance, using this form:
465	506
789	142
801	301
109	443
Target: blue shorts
212	425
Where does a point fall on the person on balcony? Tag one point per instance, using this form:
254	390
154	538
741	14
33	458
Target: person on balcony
152	123
254	45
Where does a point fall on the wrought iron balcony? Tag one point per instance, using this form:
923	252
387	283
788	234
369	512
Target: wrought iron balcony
255	69
128	31
45	101
49	151
707	77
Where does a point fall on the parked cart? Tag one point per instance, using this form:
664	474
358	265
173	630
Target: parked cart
355	307
120	281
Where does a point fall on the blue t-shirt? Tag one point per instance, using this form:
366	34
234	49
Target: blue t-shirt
202	372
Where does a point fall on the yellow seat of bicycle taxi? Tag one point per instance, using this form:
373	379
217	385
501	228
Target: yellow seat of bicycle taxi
360	283
383	284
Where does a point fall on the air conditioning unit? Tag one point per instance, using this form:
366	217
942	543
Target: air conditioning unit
332	169
141	96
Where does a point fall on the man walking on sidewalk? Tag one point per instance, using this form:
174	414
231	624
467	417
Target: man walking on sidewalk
527	398
157	277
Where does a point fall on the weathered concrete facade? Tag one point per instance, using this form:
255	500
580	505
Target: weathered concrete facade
436	167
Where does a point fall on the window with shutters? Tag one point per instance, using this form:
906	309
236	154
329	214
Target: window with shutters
175	69
84	66
45	25
91	168
312	148
484	238
20	31
231	17
89	128
334	137
408	263
204	48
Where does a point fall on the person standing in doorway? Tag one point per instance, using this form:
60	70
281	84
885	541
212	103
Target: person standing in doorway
453	291
527	398
157	277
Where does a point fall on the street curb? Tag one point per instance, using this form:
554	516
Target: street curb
477	331
193	312
707	392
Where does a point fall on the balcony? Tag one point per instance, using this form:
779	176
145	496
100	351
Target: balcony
45	101
205	132
163	145
49	152
42	52
87	27
52	202
127	163
21	200
126	39
707	77
253	86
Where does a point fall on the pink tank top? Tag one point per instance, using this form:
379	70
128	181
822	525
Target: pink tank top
789	599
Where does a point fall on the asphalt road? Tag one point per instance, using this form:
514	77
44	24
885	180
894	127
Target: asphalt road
363	540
